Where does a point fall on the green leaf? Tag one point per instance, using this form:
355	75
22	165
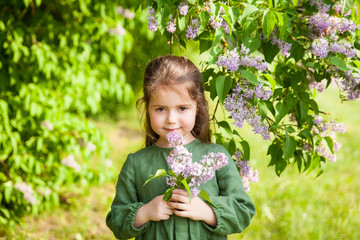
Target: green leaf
249	76
159	173
339	63
226	126
268	23
182	23
330	144
282	110
223	86
289	147
280	167
347	6
271	81
206	197
246	149
249	9
184	182
322	166
168	194
252	43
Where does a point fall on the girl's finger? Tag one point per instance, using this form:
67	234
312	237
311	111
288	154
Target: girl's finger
175	205
181	192
179	198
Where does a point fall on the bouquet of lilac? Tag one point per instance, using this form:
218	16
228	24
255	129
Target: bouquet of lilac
184	172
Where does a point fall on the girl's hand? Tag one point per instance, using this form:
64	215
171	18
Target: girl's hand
155	210
197	209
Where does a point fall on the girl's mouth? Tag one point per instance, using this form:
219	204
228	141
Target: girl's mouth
171	129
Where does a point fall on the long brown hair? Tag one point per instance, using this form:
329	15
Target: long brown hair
166	71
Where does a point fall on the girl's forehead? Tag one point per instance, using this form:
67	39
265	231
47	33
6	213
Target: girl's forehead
178	93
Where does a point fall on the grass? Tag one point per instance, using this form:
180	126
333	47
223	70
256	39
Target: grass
293	206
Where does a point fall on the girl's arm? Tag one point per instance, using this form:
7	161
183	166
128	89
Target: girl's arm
195	209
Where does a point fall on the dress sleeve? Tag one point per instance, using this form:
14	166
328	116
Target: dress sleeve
234	208
125	205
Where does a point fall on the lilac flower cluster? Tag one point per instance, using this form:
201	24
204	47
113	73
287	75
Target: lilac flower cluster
322	25
321	48
171	26
319	86
70	162
215	22
183	8
338	7
326	129
180	162
27	191
237	104
343	48
192	29
152	22
246	172
350	84
231	60
284	46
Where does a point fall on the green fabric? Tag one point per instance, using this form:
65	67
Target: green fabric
233	211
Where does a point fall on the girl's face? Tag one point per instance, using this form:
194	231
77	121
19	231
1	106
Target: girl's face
171	110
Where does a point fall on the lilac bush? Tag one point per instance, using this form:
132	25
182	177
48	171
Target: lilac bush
265	61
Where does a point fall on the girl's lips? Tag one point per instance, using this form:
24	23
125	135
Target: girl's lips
171	129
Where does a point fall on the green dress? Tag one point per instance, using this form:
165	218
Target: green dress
234	209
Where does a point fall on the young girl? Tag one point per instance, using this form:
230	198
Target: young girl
174	100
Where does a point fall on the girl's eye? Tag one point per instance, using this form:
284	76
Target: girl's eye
182	109
160	109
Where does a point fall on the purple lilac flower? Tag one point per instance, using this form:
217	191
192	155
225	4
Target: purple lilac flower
284	46
322	7
237	104
192	29
349	84
183	8
180	162
319	86
171	26
246	172
338	7
250	61
230	60
152	22
343	48
345	25
327	129
174	139
27	191
225	26
215	22
320	47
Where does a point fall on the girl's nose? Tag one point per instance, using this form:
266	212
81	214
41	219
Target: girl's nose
171	117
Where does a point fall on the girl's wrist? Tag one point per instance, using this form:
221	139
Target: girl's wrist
141	217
